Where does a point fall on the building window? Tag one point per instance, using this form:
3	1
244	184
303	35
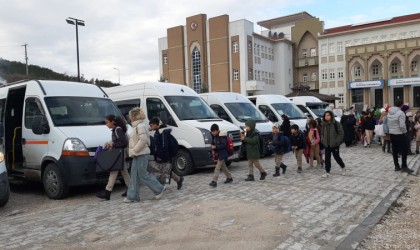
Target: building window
313	76
341	96
414	66
249	47
324	74
235	47
332	48
323	50
305	77
416	96
304	53
165	59
394	68
375	69
340	73
235	74
196	70
258	49
340	48
313	52
398	93
357	71
348	43
332	75
250	71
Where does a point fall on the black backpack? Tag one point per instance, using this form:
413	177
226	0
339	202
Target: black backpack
173	145
261	145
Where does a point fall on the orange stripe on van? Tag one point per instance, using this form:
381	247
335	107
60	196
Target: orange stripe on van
37	142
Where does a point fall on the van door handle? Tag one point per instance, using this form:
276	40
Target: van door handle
23	141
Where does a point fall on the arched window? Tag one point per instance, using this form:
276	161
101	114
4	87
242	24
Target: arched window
196	70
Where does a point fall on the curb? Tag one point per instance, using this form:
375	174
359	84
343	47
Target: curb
353	240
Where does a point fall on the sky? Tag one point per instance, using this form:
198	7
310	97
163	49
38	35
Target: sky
120	37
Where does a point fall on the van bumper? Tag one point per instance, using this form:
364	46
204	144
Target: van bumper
78	171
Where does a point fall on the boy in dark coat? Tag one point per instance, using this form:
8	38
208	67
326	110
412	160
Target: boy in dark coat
252	143
277	145
298	142
161	148
219	145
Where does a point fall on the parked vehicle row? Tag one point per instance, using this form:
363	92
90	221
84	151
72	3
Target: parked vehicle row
312	106
50	130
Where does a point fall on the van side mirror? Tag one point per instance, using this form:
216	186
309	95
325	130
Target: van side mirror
40	125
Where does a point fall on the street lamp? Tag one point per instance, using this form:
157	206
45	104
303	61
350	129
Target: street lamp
77	22
118	75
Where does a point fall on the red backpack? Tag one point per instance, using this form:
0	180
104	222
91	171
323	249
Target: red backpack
230	147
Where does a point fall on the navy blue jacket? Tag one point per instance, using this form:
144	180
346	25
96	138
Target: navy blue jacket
221	146
278	143
298	140
161	145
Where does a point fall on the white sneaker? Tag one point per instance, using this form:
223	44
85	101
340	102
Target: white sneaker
128	201
157	197
326	175
343	171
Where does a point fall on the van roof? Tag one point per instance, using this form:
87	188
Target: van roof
271	98
62	88
161	88
305	99
227	97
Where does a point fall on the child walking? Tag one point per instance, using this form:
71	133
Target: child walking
219	147
278	145
252	142
298	141
314	138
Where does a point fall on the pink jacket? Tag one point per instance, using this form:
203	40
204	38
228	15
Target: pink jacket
314	136
417	127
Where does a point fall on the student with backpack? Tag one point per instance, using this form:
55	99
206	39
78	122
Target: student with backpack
219	146
279	145
163	150
314	139
252	143
119	140
331	137
298	142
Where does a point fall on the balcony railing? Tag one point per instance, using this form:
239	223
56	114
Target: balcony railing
306	61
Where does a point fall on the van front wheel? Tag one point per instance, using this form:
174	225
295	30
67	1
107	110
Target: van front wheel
182	163
54	185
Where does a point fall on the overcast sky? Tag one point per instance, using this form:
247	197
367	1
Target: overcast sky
124	34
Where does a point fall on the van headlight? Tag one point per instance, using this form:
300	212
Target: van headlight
1	157
206	135
74	147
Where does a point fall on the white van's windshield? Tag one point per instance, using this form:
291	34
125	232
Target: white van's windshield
318	108
80	111
190	108
288	109
244	111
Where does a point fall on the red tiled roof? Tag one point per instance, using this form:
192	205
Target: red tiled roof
394	20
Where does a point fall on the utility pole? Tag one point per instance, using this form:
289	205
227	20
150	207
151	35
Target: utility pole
26	58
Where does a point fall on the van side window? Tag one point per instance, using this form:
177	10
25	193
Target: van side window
156	108
268	113
303	109
220	112
127	105
32	109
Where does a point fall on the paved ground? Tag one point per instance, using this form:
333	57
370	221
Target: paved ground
293	211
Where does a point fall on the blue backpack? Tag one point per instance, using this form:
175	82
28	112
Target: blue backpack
287	146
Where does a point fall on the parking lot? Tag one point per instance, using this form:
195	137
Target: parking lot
293	211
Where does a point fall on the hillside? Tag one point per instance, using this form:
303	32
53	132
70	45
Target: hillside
11	71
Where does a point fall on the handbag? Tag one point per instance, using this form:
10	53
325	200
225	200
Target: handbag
110	160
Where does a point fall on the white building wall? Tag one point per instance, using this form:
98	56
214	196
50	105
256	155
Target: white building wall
162	45
374	35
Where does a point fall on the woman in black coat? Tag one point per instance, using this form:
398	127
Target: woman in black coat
348	121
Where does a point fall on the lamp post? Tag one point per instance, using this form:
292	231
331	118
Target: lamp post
118	75
77	22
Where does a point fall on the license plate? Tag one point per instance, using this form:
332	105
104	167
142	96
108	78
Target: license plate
234	156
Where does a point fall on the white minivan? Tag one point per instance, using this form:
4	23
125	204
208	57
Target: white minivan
274	106
311	105
50	130
182	109
237	109
4	182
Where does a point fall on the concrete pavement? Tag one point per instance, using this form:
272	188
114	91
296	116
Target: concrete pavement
293	211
